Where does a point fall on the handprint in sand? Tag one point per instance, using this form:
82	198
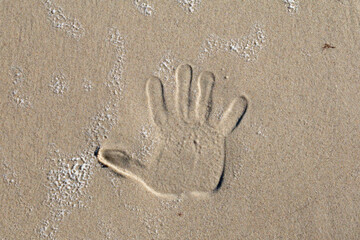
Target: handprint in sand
191	155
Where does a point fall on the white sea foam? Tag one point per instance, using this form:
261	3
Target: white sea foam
71	174
247	47
292	5
20	92
63	21
145	7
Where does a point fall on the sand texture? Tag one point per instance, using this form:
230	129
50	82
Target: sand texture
180	119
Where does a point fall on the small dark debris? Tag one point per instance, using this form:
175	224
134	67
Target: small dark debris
327	46
102	165
96	152
179	214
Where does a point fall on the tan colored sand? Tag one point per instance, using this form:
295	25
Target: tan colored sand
75	77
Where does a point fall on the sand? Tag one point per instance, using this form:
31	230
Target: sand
180	119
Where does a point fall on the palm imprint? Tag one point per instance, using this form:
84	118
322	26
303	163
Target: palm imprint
191	153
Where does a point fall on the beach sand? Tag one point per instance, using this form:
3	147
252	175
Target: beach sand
180	119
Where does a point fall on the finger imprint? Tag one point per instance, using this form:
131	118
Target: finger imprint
204	101
233	115
183	82
156	101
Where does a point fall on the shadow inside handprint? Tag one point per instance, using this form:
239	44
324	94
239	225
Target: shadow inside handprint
191	155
